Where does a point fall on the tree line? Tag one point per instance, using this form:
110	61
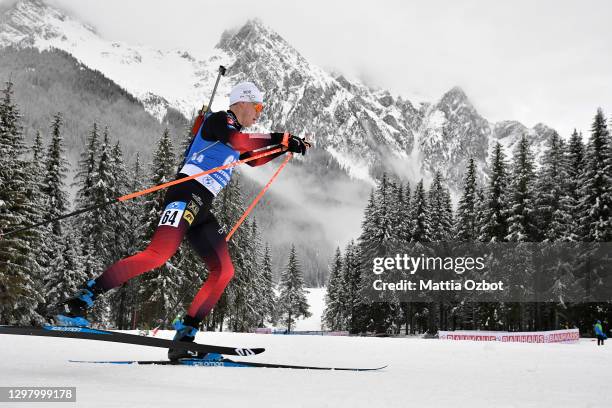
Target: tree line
565	198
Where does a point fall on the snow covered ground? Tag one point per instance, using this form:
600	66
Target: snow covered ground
316	303
422	373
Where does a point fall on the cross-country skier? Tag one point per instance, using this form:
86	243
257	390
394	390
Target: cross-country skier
187	206
599	333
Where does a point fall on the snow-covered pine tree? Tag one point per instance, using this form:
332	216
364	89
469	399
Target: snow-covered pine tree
481	211
267	295
84	181
36	186
377	240
574	171
396	204
384	210
292	301
119	187
243	290
552	212
39	260
56	202
249	316
421	225
19	297
596	191
403	237
554	209
262	286
334	314
120	224
69	274
404	228
351	272
522	221
99	224
596	217
494	226
440	210
99	227
441	219
57	167
466	226
87	166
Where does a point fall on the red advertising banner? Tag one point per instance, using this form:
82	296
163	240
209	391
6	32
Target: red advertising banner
553	336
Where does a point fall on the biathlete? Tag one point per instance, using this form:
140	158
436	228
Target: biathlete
187	211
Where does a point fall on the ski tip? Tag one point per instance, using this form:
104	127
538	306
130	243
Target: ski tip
361	369
380	368
245	352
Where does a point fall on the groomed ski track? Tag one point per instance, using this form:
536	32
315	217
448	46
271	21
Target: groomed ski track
423	373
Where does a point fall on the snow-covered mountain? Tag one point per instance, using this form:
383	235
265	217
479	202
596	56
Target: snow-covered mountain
366	131
159	78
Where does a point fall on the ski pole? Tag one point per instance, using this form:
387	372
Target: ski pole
222	71
202	114
146	191
256	200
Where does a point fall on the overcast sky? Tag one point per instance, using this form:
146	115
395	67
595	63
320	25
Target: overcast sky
532	61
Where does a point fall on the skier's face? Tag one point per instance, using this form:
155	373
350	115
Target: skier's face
248	113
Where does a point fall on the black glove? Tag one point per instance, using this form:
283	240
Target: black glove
297	145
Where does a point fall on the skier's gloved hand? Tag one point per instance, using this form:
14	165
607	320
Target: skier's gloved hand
295	144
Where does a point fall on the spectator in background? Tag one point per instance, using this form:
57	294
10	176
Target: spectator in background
599	333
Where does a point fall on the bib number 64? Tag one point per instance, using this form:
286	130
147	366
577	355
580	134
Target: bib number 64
172	214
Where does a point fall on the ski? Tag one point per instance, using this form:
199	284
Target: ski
103	335
216	360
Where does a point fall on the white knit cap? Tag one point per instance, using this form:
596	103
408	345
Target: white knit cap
245	92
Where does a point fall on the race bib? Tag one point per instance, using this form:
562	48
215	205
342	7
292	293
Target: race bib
172	214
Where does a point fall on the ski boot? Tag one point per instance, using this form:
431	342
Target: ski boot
186	330
73	311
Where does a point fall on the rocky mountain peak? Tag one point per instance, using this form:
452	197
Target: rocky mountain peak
32	6
253	34
29	21
456	100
